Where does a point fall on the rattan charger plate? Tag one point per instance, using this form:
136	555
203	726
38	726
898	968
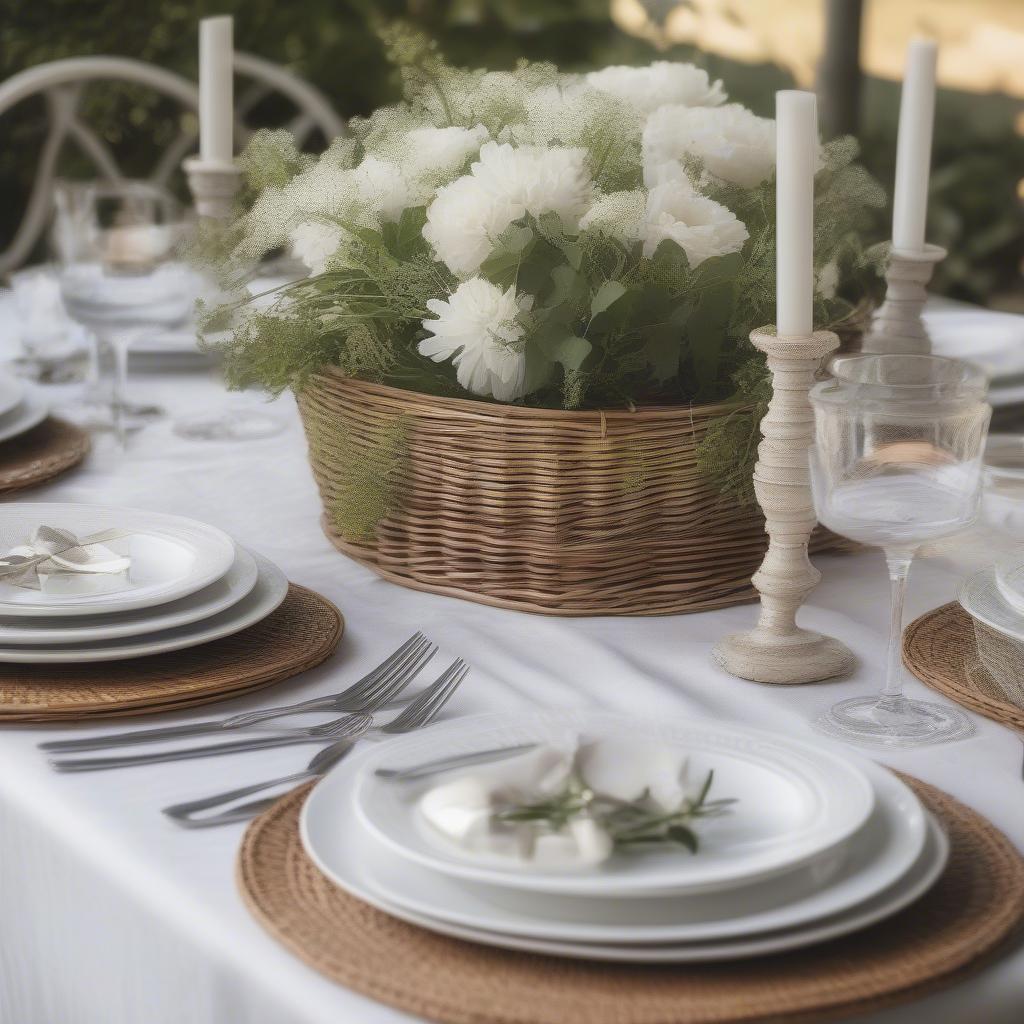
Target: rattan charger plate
957	927
304	631
941	650
40	454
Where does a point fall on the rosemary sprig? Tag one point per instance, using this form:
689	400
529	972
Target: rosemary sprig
629	823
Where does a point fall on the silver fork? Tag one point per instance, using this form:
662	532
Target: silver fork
351	726
373	691
427	707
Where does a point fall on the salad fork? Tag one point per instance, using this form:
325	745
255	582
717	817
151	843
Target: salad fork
376	689
421	712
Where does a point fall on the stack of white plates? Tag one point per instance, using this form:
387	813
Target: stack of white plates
992	339
21	407
188	584
994	598
818	845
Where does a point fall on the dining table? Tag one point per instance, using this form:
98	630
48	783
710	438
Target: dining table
110	913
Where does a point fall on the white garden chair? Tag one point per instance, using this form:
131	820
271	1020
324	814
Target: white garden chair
62	84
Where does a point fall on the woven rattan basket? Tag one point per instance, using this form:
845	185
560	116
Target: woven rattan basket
567	513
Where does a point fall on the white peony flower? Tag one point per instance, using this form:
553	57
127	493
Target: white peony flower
701	227
382	187
504	185
462	223
620	215
732	143
315	242
663	82
477	329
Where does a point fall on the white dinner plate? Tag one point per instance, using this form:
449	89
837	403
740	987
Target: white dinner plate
796	801
881	853
270	590
924	874
28	413
980	597
203	604
1009	577
171	557
12	391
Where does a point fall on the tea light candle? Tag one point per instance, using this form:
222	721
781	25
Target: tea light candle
796	127
216	90
914	147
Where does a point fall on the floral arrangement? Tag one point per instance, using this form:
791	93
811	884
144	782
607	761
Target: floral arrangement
531	236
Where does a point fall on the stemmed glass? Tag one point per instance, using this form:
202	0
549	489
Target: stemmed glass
897	462
115	243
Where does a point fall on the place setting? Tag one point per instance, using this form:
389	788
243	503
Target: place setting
607	844
34	446
107	610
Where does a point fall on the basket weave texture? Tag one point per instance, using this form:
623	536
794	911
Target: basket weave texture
554	511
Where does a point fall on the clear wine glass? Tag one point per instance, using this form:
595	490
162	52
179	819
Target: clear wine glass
897	462
115	243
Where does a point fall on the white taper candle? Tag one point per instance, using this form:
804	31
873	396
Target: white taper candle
216	93
796	144
914	147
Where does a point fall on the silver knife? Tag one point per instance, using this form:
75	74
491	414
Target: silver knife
446	764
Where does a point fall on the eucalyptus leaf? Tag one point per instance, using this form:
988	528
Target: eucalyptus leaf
609	293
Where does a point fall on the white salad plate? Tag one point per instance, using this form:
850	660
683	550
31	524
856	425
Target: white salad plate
270	590
991	338
981	597
12	391
203	604
876	858
26	414
171	557
796	800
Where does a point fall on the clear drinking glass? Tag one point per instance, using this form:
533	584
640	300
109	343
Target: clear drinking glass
897	462
114	243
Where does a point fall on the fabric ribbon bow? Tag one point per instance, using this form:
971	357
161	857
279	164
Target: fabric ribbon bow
53	551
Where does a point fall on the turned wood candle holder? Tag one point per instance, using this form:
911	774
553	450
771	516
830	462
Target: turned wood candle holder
777	650
897	328
213	185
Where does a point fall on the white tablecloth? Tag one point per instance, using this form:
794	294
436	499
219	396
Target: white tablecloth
109	914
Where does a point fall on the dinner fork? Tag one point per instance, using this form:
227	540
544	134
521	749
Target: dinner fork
377	688
352	725
421	712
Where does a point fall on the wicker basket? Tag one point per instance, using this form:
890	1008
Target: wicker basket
567	513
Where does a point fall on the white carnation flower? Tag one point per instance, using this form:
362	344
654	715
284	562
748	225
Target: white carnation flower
701	227
433	155
620	215
477	328
828	280
504	185
733	144
316	242
663	82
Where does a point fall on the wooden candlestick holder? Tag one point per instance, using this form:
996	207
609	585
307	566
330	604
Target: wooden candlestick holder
213	185
777	650
897	328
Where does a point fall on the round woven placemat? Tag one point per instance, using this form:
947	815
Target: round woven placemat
951	931
304	631
941	649
40	454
